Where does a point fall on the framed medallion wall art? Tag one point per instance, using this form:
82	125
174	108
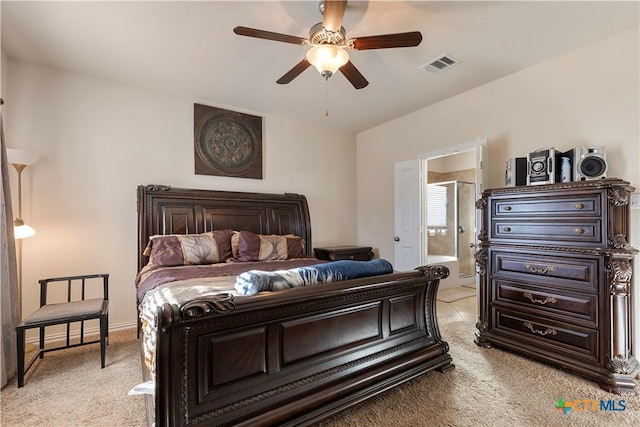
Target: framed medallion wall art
227	143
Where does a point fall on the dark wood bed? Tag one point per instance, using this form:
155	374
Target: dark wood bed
291	357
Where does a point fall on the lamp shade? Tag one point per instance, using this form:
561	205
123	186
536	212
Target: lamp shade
21	157
22	230
327	58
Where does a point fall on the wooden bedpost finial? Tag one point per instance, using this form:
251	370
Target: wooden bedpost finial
434	271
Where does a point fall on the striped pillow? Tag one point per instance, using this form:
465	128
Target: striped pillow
189	249
249	246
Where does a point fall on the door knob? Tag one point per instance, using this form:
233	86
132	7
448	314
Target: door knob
396	239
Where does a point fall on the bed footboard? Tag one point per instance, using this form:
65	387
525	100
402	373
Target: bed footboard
297	356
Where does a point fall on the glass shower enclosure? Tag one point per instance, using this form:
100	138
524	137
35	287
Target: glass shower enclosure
451	218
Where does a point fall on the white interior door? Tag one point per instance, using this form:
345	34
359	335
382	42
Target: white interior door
481	166
481	177
407	255
481	184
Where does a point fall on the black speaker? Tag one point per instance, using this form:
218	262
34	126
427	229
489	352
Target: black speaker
589	163
516	172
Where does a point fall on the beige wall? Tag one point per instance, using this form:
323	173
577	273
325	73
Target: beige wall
456	162
98	140
589	96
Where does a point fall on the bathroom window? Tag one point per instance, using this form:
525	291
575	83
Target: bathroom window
436	206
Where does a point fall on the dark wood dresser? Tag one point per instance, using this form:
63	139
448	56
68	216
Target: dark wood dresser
555	271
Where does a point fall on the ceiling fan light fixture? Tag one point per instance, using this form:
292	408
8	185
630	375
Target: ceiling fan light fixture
328	43
327	58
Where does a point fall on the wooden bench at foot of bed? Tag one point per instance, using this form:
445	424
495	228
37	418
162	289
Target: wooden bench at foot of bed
296	356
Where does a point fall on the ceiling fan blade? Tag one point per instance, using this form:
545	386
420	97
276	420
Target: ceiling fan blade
294	72
333	14
353	75
268	35
410	39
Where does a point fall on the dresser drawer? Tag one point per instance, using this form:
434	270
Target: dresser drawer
544	334
586	232
552	269
547	205
581	307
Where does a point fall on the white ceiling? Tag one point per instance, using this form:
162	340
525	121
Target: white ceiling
189	49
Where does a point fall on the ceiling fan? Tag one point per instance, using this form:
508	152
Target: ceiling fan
328	43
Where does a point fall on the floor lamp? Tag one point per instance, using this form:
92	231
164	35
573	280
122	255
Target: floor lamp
20	159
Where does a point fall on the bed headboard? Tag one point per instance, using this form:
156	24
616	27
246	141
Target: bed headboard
166	210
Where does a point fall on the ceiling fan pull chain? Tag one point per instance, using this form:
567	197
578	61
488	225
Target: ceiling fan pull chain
326	97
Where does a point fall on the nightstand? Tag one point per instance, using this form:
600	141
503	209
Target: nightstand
335	253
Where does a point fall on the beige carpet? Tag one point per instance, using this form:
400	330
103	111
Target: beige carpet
455	294
489	387
68	388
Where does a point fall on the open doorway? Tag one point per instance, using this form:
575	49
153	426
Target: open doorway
451	225
452	181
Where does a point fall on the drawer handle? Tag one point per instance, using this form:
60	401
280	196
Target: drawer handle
579	206
548	331
507	208
550	300
506	229
537	270
579	230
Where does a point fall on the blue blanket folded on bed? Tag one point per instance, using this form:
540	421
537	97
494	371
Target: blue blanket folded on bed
254	281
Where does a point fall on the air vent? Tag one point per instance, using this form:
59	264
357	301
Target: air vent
439	64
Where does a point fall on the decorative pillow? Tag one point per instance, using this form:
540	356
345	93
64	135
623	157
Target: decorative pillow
189	249
235	245
260	247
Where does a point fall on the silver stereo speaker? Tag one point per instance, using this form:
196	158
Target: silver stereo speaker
589	163
541	167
